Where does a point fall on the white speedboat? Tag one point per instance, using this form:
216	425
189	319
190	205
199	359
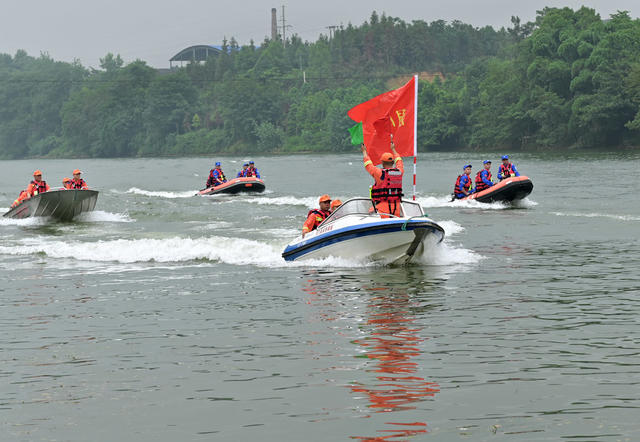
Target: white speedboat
356	230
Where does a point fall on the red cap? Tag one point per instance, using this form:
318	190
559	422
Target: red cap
386	157
324	197
77	171
37	172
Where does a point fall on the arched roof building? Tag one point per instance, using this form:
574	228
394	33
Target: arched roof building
195	53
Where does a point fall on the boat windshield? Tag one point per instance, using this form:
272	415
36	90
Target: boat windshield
356	206
412	209
364	206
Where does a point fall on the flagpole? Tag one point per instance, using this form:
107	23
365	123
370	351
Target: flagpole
415	133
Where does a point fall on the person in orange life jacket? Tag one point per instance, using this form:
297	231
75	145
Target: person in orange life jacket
507	169
252	171
66	183
386	192
24	195
463	183
78	183
483	177
316	216
37	185
243	172
216	176
334	205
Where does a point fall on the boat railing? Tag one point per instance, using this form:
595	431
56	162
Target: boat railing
365	207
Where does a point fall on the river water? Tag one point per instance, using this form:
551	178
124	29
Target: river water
163	316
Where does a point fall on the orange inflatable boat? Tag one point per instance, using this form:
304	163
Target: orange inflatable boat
507	190
236	185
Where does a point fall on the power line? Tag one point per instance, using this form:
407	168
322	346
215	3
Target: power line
309	77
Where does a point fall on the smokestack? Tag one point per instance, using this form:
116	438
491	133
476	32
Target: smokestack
274	25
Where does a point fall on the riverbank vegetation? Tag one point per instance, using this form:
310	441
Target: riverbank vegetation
568	79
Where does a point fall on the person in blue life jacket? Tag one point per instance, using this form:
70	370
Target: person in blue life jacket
216	176
483	177
507	169
252	171
243	172
464	183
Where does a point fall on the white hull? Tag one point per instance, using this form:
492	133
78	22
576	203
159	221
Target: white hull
386	247
357	234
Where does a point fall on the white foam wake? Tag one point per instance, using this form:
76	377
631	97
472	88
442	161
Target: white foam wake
162	194
524	203
33	221
309	202
445	201
445	254
599	215
451	227
101	216
236	251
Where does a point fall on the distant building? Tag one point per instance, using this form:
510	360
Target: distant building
197	53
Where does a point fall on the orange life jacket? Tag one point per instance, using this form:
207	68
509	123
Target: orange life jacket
23	196
39	186
389	188
322	214
80	184
480	185
458	188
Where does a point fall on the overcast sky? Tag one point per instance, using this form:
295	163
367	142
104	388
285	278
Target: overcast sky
155	30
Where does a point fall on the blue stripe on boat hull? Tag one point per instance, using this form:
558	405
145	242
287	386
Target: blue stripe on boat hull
292	253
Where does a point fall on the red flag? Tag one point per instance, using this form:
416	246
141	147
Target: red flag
389	113
383	126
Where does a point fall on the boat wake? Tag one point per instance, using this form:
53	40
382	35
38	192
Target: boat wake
162	194
99	216
309	202
35	221
445	201
451	227
447	253
599	215
235	251
218	249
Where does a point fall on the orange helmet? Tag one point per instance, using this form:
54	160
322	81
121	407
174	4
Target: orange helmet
323	198
335	203
37	172
386	157
66	180
77	171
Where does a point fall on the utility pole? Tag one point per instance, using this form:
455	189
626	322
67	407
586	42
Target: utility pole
284	28
332	31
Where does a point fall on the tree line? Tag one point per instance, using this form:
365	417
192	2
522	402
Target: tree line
568	79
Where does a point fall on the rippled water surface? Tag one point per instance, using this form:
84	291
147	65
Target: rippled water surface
168	317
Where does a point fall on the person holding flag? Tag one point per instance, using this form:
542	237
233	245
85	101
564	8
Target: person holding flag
386	192
391	116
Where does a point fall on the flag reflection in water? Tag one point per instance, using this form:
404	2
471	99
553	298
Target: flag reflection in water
393	342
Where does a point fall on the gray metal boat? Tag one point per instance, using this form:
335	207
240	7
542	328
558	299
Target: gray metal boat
62	204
